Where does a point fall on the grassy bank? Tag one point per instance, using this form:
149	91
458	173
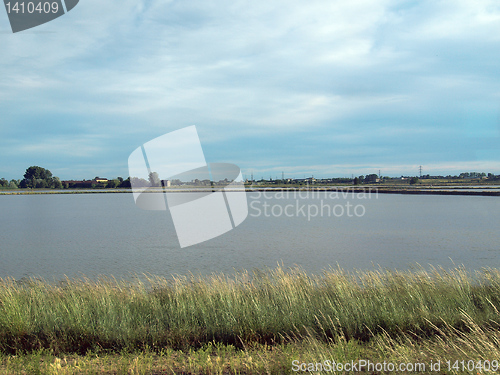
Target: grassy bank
273	317
453	349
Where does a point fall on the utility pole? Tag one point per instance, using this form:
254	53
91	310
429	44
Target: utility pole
282	176
420	169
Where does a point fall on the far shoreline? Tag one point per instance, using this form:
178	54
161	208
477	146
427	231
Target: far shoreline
486	190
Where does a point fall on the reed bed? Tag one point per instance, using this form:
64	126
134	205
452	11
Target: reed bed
273	307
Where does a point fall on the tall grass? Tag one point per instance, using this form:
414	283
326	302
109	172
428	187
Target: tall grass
272	307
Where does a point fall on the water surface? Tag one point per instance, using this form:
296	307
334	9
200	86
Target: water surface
106	234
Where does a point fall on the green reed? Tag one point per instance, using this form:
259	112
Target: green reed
273	307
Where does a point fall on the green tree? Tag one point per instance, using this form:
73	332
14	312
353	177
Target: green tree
112	184
56	183
125	183
40	184
371	178
413	180
35	174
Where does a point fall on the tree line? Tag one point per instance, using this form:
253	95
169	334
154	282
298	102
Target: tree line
37	177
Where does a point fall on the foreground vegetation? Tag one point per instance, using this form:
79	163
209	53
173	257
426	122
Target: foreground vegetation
249	323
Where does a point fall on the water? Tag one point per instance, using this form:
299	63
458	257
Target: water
51	236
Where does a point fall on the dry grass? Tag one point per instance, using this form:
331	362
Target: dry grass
248	323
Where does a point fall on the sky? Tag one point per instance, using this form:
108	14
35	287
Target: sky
324	88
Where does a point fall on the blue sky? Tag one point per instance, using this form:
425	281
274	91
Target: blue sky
323	88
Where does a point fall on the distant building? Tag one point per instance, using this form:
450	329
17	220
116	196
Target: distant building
96	182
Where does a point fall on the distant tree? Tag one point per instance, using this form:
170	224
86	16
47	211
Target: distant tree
371	178
154	179
413	180
139	182
35	174
13	184
176	182
40	184
356	181
4	182
56	183
125	183
112	184
472	175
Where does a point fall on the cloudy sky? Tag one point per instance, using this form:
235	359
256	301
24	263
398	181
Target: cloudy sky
323	88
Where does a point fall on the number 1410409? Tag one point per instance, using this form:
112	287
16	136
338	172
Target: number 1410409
472	365
31	7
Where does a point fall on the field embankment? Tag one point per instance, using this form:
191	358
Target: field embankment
279	316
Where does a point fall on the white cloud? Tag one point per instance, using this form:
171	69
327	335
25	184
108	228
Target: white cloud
63	146
251	70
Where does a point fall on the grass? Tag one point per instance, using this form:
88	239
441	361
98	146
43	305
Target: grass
248	323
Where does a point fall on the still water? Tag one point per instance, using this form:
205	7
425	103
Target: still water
50	236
